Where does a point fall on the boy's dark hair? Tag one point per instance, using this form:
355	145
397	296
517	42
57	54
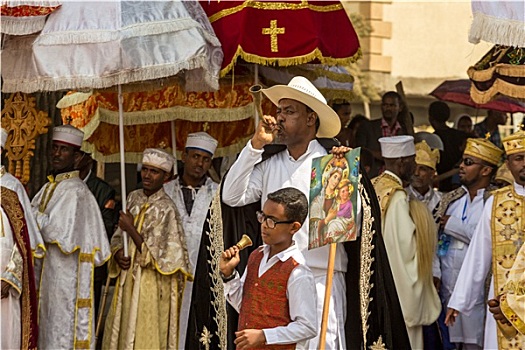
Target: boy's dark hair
439	110
294	202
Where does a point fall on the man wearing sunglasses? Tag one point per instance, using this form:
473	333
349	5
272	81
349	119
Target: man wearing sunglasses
458	215
495	244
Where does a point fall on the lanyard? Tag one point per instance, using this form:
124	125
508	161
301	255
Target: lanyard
464	214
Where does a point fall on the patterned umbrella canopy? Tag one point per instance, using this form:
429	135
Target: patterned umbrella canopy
458	91
283	33
501	71
22	17
102	44
226	114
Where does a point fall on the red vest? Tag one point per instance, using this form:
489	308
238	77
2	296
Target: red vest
264	301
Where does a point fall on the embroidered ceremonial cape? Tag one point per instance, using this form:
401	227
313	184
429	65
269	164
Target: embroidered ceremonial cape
508	235
21	276
146	305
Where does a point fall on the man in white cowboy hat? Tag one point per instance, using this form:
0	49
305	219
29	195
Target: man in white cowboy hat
73	230
494	246
458	216
192	192
302	117
19	245
151	280
410	237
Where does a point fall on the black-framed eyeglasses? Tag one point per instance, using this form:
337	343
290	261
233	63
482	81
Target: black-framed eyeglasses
470	161
261	217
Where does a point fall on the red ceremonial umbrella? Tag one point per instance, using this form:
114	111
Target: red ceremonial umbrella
458	91
283	33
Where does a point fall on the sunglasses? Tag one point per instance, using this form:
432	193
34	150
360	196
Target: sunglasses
261	217
469	162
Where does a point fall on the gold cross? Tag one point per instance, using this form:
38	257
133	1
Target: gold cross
273	31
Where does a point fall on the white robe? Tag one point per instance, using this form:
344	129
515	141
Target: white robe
419	301
464	218
476	266
74	232
10	262
249	181
192	226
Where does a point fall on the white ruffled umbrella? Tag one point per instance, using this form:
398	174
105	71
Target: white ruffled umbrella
86	45
22	17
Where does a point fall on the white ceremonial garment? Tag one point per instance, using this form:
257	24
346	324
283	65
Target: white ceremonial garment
250	180
10	260
192	226
73	229
300	292
35	238
420	304
461	225
431	198
473	273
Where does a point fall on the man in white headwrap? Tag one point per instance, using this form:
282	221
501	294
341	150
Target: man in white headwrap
76	242
410	237
19	232
192	193
146	305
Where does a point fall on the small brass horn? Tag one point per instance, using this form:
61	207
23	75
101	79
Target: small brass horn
244	242
255	90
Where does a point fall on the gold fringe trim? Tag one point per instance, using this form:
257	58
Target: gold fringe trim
178	113
289	61
426	238
136	157
74	99
499	87
274	6
508	70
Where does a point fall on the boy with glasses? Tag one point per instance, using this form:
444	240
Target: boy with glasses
276	295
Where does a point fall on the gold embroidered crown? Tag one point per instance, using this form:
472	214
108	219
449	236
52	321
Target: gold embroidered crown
515	143
483	149
426	156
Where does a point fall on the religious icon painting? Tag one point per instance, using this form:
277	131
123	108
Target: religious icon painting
333	199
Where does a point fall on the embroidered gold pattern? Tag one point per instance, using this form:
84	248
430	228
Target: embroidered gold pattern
13	210
23	123
51	186
378	345
206	338
366	259
215	249
508	234
83	303
274	5
273	31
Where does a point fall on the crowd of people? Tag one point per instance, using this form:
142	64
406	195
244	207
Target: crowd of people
436	261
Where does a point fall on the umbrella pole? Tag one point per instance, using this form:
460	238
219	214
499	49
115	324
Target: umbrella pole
122	163
256	82
174	146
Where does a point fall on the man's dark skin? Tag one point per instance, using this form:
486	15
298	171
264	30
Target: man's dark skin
64	158
196	165
403	167
152	179
390	108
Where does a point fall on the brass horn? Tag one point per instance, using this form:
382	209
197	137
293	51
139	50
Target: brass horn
255	90
244	242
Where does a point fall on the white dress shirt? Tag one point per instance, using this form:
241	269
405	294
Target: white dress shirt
300	292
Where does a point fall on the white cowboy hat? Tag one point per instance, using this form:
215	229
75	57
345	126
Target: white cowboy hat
302	90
